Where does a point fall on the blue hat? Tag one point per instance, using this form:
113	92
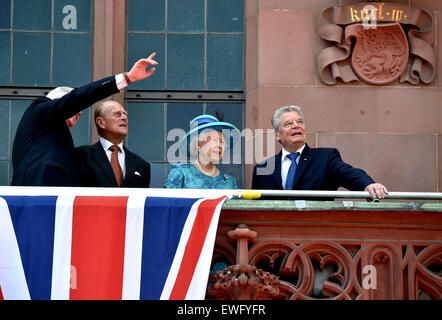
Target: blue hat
206	122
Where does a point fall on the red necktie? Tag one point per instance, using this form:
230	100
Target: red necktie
115	164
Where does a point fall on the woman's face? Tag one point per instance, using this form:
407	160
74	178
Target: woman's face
211	147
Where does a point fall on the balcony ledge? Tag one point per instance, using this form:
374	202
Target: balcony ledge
301	205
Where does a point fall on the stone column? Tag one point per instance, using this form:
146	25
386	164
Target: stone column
243	281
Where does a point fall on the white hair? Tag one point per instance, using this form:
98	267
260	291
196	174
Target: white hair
58	92
280	111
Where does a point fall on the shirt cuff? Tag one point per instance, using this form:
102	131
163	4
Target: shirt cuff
121	83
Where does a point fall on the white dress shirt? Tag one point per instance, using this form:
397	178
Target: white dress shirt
286	162
121	155
121	82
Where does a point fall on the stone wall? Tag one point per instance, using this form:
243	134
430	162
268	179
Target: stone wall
392	131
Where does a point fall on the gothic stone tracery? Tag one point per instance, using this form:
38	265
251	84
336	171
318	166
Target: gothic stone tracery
332	269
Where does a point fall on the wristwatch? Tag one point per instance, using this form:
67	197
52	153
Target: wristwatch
126	77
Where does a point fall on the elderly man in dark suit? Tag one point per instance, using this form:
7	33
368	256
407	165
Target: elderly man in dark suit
43	152
108	163
299	167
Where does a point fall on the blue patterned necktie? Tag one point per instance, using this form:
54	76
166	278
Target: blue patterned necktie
292	170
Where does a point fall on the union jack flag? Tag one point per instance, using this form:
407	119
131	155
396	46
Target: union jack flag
71	246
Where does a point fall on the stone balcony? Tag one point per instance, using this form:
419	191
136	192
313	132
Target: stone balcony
307	250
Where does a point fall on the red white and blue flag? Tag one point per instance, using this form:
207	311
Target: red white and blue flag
106	247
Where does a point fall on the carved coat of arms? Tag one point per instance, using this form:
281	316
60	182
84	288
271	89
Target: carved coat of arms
380	55
378	43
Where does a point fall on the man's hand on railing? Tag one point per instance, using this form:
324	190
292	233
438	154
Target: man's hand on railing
376	190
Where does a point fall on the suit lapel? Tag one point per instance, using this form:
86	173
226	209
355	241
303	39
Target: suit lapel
101	159
304	160
277	172
130	165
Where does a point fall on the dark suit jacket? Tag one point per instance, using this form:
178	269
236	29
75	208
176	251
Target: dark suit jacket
96	171
318	169
43	150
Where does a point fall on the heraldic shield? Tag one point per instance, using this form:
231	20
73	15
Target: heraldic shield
380	54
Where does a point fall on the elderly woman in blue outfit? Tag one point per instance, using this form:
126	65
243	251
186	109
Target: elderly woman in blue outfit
206	143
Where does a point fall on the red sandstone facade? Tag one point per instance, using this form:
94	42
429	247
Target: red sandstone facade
390	252
374	126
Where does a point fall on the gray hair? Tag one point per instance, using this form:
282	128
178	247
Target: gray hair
100	109
280	111
59	92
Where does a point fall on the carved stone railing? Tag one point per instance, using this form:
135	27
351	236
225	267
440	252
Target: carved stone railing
328	250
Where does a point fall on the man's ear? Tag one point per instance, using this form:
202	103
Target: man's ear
100	122
277	136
